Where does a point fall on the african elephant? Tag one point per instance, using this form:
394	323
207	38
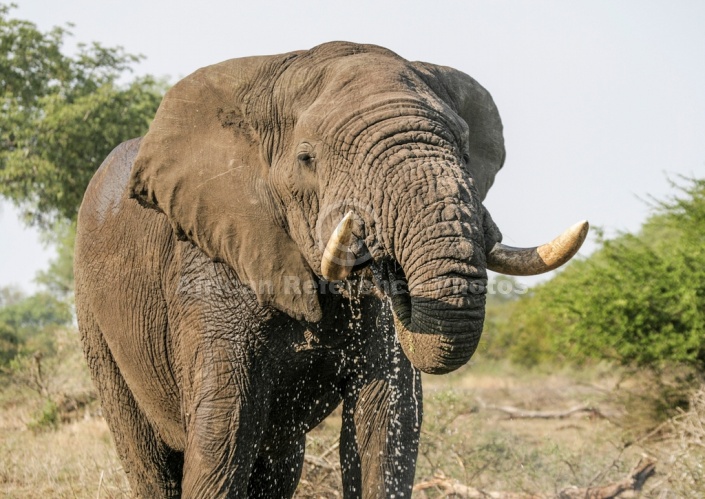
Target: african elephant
293	232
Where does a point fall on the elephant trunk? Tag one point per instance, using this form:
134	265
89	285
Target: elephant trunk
441	250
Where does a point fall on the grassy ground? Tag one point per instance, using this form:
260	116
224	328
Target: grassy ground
64	449
468	437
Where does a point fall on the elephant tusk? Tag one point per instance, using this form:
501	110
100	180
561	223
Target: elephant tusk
540	259
338	261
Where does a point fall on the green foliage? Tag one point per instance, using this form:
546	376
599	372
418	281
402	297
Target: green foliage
45	419
503	295
639	300
62	115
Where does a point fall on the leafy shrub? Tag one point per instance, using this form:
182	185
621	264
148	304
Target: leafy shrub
62	115
639	300
27	323
46	419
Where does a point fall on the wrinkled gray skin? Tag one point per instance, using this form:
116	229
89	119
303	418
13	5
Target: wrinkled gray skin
199	246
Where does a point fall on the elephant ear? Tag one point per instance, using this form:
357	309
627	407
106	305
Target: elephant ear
475	106
203	164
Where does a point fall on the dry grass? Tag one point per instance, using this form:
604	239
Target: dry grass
680	445
463	437
486	448
53	443
76	461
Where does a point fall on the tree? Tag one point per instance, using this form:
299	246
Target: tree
639	300
62	115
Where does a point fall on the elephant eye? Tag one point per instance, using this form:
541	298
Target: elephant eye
306	159
306	155
466	159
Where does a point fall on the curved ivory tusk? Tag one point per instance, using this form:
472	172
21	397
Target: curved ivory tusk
540	259
338	260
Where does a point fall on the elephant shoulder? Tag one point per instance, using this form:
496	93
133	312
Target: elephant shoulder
107	191
109	220
114	232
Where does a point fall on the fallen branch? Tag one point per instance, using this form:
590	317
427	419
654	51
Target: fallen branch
453	488
516	413
644	469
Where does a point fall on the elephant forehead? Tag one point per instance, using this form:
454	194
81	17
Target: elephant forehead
367	77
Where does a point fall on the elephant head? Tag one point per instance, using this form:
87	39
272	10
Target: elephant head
257	160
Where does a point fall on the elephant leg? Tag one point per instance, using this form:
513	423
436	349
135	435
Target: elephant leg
380	434
226	419
153	469
276	474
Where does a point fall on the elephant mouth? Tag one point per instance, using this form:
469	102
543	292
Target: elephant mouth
436	335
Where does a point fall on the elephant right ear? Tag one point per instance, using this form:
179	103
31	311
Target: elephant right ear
203	165
474	104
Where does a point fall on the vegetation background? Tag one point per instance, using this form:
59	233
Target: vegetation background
614	345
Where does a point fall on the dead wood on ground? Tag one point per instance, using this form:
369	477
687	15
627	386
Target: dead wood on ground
516	413
634	481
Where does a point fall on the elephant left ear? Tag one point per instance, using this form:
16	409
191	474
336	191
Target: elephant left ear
474	104
202	165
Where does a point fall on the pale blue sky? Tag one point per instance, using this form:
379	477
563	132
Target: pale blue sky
601	100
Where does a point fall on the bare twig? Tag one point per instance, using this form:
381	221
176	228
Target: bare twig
330	449
100	485
602	473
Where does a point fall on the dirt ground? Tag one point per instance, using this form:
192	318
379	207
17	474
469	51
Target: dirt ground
472	433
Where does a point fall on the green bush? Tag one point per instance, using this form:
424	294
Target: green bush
46	419
639	300
27	323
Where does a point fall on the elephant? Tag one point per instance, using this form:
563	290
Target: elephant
293	232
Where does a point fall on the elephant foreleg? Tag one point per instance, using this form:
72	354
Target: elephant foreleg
277	471
225	429
380	434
